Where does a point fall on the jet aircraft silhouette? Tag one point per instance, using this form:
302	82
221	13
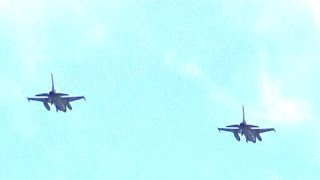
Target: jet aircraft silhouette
251	132
60	100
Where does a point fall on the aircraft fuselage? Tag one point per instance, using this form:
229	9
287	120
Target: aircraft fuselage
59	103
249	134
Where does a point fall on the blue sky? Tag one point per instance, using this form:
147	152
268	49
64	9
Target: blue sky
159	78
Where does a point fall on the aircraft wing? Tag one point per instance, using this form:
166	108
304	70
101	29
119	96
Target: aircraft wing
69	99
38	99
229	130
263	130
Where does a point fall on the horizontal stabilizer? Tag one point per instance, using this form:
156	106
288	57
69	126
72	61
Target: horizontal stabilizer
252	126
62	94
234	125
43	94
74	98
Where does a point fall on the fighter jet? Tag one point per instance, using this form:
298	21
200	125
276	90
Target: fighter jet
251	132
60	100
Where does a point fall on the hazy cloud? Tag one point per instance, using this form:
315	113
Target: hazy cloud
279	108
266	23
191	69
11	91
314	5
186	68
274	177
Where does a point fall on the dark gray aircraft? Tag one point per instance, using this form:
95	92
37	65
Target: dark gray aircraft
251	132
60	100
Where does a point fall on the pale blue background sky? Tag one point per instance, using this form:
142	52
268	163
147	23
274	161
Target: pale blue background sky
159	78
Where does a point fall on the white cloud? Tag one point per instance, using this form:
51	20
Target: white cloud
266	23
274	177
11	91
275	12
4	6
186	68
279	108
223	96
99	34
27	21
314	5
191	70
24	22
170	58
317	152
22	13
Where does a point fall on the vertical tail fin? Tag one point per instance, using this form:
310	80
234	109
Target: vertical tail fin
243	117
53	90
